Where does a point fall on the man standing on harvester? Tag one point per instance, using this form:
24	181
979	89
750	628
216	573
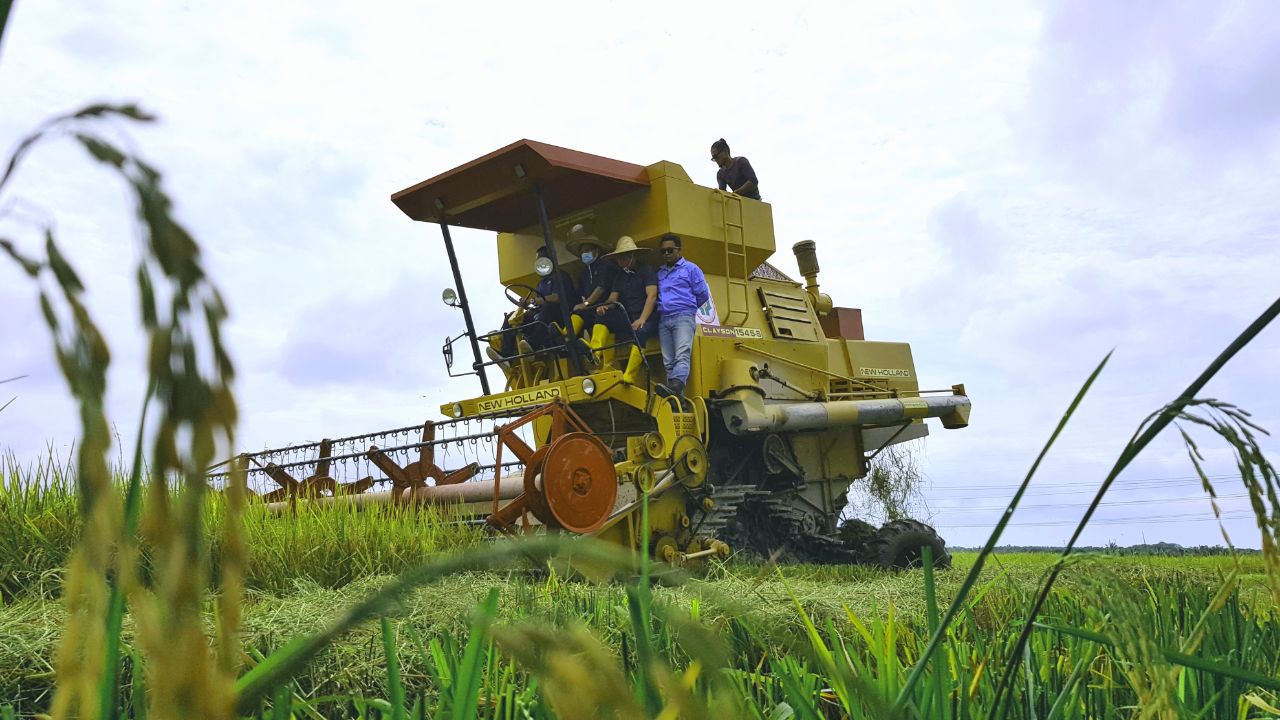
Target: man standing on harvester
682	289
634	287
735	174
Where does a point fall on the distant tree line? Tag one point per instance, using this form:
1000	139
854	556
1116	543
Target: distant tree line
1111	548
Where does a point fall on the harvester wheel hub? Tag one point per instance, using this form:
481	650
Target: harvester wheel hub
579	483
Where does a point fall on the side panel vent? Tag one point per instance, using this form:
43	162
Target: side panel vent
788	314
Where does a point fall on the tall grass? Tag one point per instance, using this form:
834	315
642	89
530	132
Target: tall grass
329	545
39	524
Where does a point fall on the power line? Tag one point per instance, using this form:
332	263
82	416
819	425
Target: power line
1105	503
1155	482
1153	519
1033	494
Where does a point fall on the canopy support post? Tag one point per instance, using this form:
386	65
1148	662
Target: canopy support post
566	307
477	366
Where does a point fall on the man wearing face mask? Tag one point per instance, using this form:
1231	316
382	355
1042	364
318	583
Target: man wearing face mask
591	286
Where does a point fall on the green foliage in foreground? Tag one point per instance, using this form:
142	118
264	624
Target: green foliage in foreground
874	623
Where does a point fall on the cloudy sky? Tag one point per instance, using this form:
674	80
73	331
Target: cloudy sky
1013	189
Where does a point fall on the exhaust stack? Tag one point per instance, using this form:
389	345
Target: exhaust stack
806	252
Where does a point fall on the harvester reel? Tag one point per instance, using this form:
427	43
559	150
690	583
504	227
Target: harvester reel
415	474
315	485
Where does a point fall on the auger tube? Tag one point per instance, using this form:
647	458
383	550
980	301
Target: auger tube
463	492
746	412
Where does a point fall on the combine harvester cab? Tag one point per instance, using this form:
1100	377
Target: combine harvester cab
785	404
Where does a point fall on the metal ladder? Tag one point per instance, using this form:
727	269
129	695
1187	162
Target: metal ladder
735	259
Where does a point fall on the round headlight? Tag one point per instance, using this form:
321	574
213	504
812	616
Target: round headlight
542	266
450	297
457	410
588	386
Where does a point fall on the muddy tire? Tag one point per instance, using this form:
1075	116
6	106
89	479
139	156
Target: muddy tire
898	543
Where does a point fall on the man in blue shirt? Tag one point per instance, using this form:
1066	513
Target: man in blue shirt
547	301
682	289
534	320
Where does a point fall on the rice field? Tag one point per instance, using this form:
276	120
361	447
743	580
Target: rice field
746	638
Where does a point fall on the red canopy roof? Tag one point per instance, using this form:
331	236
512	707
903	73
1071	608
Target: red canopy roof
490	193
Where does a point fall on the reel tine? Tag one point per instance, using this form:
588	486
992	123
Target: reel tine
427	453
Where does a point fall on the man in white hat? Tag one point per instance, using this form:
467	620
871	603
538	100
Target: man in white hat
630	312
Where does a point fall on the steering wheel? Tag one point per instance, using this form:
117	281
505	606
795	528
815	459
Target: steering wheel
521	295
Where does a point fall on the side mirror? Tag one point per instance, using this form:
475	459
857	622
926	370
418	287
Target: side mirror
450	297
543	266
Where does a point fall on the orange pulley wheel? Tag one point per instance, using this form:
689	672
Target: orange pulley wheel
578	485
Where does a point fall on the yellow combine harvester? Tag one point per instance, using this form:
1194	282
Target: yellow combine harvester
784	406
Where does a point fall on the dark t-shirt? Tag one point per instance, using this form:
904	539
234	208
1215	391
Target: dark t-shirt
630	286
547	286
594	276
735	174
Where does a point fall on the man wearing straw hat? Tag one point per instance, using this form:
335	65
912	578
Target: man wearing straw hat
630	310
591	284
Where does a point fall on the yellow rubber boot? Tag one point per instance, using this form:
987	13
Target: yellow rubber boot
633	366
602	338
599	336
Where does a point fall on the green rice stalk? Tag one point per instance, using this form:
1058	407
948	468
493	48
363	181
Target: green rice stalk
107	692
1180	658
580	679
394	687
941	708
192	403
83	357
987	549
467	684
1150	429
295	654
638	600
